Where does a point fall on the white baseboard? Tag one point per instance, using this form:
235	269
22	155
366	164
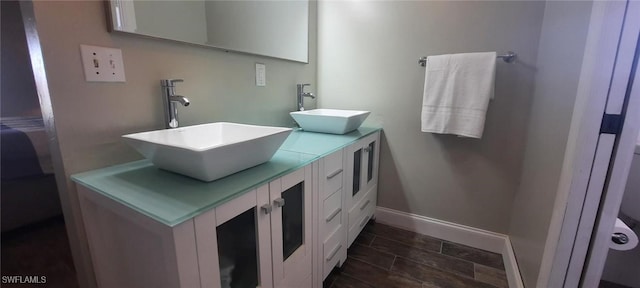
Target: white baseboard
465	235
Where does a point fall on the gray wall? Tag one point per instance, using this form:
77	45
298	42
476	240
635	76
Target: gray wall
368	53
18	94
561	49
91	117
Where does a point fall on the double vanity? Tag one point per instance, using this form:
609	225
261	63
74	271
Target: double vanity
283	223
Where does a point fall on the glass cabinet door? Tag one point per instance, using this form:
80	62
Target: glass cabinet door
291	228
356	169
234	243
362	168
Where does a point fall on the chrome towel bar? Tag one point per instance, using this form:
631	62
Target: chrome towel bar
510	57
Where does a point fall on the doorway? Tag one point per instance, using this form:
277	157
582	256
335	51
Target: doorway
34	240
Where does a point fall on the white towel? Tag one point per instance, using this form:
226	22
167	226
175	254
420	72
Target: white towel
457	89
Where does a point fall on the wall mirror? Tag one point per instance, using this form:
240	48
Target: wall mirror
270	28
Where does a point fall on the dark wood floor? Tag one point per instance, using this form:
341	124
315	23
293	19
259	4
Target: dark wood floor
385	256
607	284
40	249
382	256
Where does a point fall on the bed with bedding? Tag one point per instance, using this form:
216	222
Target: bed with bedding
28	189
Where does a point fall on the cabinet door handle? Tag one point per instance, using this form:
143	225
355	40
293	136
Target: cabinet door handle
278	202
365	205
266	208
334	252
367	149
334	174
333	215
364	222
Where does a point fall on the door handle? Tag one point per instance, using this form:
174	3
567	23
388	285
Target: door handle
266	208
334	252
333	215
365	205
334	174
278	202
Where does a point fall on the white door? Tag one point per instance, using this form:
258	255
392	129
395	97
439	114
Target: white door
371	148
624	100
589	218
291	229
355	182
362	168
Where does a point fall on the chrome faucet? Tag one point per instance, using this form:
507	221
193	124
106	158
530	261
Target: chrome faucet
170	99
301	94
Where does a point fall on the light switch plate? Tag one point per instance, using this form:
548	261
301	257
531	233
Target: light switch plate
261	74
102	64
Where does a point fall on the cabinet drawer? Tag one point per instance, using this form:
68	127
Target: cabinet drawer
361	213
359	224
333	162
332	214
333	173
361	207
333	251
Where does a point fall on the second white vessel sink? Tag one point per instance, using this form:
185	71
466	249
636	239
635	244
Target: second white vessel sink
209	151
331	121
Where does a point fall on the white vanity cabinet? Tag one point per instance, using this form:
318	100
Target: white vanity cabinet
362	183
262	238
150	228
348	191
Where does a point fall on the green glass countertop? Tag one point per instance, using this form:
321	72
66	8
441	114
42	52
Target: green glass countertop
320	144
171	199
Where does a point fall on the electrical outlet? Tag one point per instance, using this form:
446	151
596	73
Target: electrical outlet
261	74
102	64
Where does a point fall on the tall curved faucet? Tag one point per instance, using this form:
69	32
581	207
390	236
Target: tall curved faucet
301	94
170	99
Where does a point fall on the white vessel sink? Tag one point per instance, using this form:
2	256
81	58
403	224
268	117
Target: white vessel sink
209	151
331	121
